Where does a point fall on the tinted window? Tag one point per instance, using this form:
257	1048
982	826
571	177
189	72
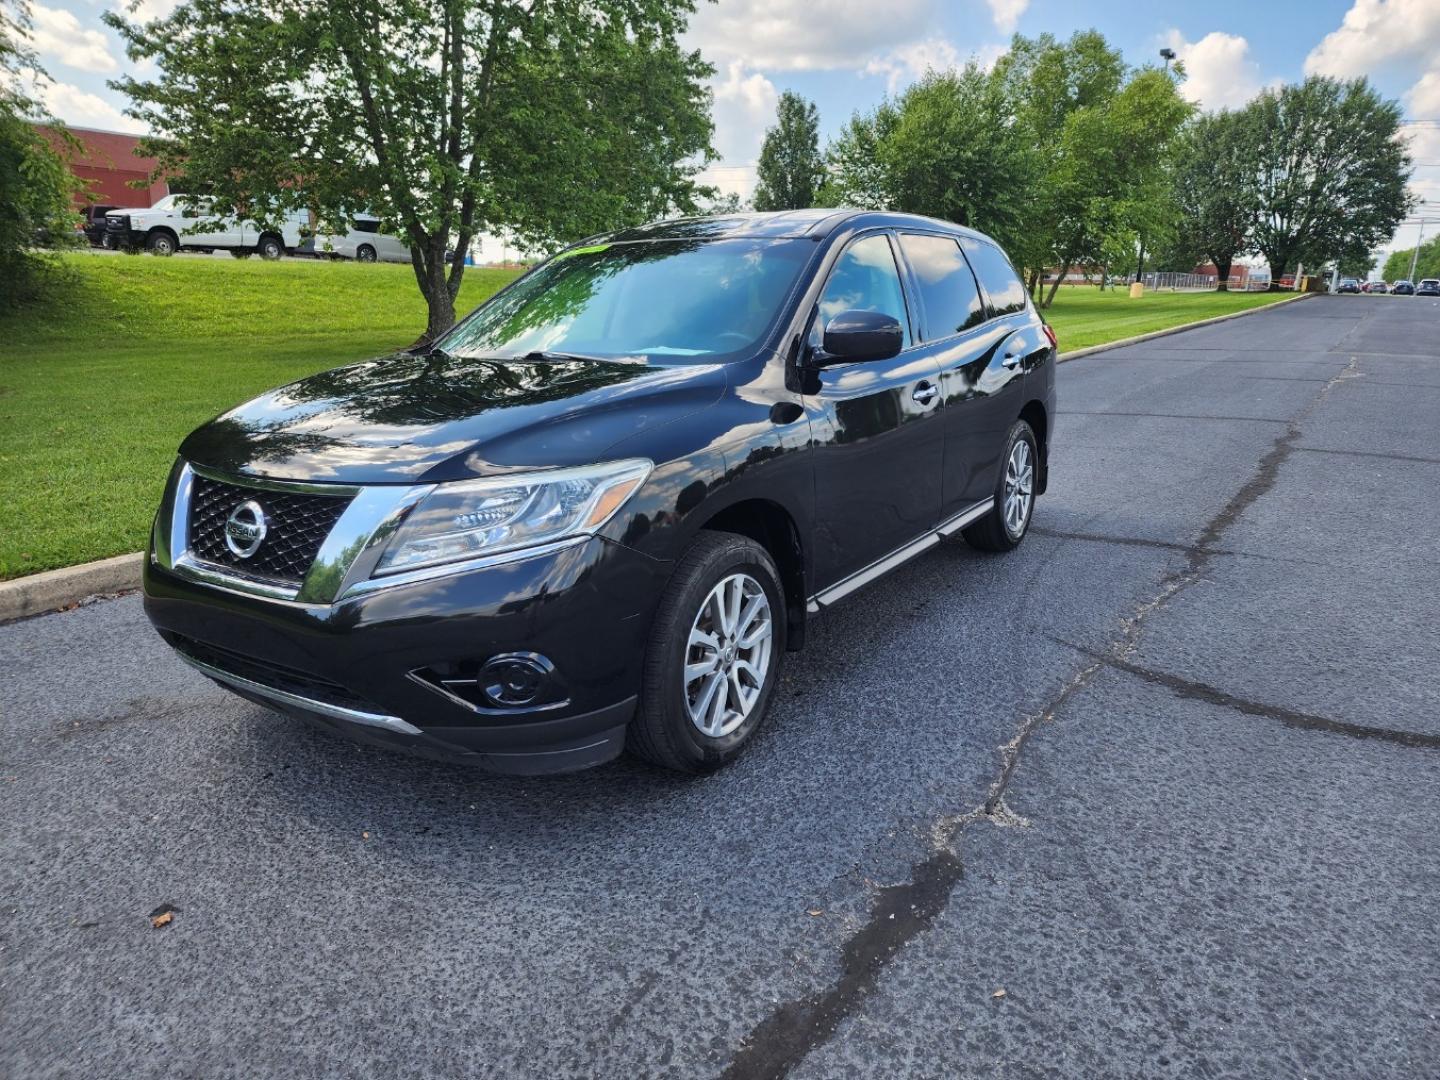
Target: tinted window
1001	284
367	225
864	279
948	293
673	299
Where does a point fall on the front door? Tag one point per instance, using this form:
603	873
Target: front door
878	440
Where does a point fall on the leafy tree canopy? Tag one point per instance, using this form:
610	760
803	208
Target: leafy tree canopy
791	168
547	120
1216	163
1332	172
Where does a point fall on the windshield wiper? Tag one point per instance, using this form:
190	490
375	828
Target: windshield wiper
544	356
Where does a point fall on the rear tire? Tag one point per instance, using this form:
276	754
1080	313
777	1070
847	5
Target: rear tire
365	253
1009	519
270	248
713	658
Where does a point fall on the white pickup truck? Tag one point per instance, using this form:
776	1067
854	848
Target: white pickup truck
177	223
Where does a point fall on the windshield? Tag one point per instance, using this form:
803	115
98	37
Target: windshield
163	204
701	300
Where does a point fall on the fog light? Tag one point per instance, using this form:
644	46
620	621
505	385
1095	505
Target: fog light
514	678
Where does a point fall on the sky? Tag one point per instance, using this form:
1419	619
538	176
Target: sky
845	55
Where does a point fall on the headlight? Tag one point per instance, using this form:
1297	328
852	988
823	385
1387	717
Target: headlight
473	518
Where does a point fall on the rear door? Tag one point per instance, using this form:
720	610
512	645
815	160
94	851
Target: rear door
878	440
995	381
959	335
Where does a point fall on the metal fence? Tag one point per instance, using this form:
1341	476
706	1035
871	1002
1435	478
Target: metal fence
1171	282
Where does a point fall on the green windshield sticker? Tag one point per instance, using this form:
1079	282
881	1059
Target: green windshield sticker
591	250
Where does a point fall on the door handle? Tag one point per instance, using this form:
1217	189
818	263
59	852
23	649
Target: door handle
1010	360
924	394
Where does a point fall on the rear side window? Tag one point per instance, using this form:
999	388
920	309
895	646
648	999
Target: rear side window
1001	283
369	225
865	278
947	288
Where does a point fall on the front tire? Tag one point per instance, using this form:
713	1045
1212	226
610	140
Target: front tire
162	244
713	658
365	254
1008	521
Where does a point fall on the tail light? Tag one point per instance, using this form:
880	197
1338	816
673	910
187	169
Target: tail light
1050	333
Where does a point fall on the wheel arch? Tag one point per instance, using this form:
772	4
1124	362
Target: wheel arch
774	528
167	230
1034	414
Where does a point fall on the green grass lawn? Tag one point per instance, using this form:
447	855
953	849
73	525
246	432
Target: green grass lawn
99	385
1083	315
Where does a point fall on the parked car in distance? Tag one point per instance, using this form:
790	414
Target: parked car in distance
1376	287
599	511
1428	287
1403	288
365	243
92	224
1349	285
184	223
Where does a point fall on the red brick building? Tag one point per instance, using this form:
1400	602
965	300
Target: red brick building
108	163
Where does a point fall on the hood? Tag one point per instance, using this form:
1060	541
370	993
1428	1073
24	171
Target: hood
422	419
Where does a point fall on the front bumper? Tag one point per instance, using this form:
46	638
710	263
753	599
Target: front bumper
370	666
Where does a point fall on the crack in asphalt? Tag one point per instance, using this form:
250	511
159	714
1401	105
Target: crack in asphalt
902	912
1198	691
1164	545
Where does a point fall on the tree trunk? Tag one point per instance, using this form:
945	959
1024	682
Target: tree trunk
1035	284
1064	269
1276	263
428	263
1222	273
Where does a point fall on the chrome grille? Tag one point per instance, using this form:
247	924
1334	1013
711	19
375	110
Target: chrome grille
297	524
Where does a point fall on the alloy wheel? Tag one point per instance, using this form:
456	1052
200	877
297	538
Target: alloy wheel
1019	487
728	656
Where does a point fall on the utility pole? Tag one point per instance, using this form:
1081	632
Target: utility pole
1415	256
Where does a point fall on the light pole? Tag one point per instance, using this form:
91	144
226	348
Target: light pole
1167	55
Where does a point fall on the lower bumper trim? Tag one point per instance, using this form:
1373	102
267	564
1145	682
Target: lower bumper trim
283	697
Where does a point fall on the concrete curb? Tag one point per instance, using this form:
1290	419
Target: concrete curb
1093	349
55	590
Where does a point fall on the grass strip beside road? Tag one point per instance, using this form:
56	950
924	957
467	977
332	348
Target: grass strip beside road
100	384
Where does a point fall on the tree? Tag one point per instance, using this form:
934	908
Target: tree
546	120
1332	172
1216	190
791	169
948	147
956	152
1049	81
1108	176
36	186
854	174
1427	265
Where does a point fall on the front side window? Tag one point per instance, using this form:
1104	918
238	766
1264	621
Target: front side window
677	300
865	278
948	293
1002	284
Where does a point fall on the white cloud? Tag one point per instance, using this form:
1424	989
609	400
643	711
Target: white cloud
59	34
1006	13
145	10
909	62
1423	99
807	35
84	109
1219	71
744	107
1375	32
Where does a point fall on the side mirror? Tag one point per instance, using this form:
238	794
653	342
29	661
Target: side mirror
861	335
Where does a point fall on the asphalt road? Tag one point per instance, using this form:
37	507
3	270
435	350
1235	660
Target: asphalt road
1169	777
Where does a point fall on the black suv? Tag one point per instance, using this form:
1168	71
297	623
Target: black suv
599	511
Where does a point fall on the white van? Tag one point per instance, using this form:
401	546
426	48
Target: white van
364	243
